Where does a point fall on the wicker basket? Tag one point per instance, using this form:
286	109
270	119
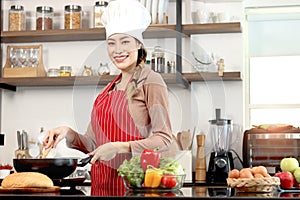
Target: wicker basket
254	184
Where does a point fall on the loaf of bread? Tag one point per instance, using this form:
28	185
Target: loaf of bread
27	180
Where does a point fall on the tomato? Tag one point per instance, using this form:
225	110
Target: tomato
168	181
6	167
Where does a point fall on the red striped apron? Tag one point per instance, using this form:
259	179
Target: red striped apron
111	122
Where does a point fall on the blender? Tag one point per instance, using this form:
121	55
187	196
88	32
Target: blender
221	161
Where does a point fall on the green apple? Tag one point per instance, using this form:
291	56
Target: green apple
289	164
297	174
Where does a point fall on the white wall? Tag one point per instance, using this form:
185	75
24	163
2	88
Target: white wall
32	108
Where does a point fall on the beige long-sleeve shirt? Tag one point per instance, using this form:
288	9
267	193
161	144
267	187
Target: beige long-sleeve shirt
150	111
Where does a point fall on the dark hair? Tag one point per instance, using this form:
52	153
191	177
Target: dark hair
142	55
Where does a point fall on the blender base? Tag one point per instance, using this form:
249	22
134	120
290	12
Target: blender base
220	164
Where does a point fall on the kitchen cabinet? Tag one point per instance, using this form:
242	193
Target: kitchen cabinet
177	31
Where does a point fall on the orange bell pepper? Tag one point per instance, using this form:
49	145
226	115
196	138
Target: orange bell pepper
153	177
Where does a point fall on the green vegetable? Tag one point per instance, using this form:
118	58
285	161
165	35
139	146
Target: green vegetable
171	166
133	171
136	175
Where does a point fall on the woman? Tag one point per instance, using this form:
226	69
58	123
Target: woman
131	113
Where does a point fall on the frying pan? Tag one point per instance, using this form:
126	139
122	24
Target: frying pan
54	168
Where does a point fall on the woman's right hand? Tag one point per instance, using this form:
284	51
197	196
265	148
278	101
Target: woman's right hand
54	136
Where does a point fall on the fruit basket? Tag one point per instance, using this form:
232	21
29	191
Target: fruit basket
254	184
168	182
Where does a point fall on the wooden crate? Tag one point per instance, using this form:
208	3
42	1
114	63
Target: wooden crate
25	71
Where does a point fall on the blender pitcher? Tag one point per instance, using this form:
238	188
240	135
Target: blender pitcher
221	161
221	133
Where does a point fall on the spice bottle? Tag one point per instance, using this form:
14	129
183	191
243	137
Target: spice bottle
98	11
44	18
200	172
158	60
73	15
17	19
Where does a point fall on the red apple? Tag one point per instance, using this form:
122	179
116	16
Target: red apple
286	179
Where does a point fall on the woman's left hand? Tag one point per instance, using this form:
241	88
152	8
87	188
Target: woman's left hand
109	150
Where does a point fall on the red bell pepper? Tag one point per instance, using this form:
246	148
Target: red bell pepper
150	157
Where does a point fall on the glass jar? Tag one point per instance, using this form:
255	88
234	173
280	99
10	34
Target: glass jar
65	71
44	18
73	17
98	11
158	60
53	72
103	69
171	67
17	19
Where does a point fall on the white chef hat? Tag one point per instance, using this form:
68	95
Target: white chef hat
126	16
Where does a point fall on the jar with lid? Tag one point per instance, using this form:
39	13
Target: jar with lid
158	60
73	17
53	72
98	11
65	71
44	18
17	18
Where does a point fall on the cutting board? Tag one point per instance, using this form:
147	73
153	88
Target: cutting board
53	189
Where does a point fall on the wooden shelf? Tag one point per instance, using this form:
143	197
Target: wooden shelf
212	28
11	83
212	76
154	31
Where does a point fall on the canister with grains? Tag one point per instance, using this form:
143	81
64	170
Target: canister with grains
44	18
73	17
98	11
17	18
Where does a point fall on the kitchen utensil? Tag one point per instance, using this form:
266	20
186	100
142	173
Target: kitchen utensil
194	131
55	168
221	160
200	170
185	140
46	151
268	147
19	140
179	140
25	139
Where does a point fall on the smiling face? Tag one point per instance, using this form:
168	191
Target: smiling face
123	51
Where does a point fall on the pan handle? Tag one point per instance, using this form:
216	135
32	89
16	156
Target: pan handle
84	161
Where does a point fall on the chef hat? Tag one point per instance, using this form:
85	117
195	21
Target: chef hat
126	16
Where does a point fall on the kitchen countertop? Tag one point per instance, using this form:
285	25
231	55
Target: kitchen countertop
189	191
